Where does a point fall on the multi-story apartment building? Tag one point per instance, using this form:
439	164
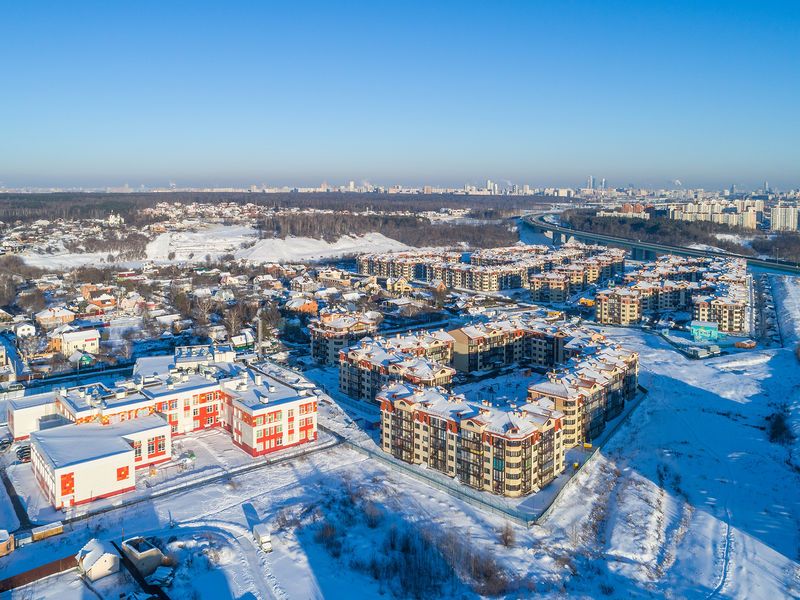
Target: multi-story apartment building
588	391
784	217
501	343
549	287
618	306
727	311
332	332
508	450
487	345
364	369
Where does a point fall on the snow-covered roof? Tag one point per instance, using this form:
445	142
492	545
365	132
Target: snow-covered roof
93	551
74	444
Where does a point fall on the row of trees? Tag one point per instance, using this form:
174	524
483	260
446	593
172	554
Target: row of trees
656	229
125	245
30	207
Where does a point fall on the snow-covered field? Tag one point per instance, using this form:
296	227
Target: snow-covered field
217	240
742	240
241	241
63	261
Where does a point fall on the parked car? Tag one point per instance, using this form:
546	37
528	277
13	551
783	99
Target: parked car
24	454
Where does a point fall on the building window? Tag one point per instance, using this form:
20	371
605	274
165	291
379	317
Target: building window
195	412
210	421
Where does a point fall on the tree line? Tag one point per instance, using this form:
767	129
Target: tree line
413	231
75	205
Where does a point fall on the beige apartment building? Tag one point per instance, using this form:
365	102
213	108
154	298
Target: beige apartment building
618	306
496	269
371	364
501	343
550	287
509	450
332	332
728	312
589	392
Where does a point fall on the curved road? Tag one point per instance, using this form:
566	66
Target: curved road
537	222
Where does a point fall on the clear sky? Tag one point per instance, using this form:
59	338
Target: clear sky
540	92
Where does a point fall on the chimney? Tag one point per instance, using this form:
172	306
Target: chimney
259	379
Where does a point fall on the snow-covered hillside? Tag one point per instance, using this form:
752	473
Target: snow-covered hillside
690	498
241	241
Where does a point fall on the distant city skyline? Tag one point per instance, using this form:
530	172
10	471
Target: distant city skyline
441	94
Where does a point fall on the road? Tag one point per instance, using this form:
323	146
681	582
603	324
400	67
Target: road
538	222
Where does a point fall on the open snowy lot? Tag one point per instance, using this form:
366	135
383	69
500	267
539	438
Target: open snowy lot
217	240
243	243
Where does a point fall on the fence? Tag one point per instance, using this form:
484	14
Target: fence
484	500
51	568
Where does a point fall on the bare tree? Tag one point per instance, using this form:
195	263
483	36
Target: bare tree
233	319
201	310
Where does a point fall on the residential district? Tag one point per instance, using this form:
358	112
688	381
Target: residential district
490	375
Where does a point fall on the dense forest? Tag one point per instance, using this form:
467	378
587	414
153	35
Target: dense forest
30	207
413	231
410	230
668	231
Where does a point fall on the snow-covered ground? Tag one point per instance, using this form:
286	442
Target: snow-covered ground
63	261
217	240
742	240
8	518
705	247
242	242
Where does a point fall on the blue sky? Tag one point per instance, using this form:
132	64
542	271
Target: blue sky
412	92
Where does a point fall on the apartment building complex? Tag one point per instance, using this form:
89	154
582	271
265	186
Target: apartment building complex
508	450
495	269
198	388
333	332
371	364
784	217
746	213
712	289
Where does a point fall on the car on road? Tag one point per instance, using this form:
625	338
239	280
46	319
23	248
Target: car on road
24	454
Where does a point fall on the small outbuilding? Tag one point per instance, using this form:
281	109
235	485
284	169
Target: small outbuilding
98	559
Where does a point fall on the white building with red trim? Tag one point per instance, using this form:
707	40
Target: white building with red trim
75	464
198	388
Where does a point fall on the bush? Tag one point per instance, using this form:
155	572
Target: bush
373	514
328	536
778	429
507	535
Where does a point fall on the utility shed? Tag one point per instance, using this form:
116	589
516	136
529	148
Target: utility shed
98	559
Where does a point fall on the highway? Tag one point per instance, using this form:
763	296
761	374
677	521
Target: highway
537	222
